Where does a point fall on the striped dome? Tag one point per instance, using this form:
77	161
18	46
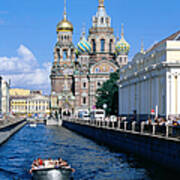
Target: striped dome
84	46
122	47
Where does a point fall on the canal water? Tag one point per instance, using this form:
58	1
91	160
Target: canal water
91	161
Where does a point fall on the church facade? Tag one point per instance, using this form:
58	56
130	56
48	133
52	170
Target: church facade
78	71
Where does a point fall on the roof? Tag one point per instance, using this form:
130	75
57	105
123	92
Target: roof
171	37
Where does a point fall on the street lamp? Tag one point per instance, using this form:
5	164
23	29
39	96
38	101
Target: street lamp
105	107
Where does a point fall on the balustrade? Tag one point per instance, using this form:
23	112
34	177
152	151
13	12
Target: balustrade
142	128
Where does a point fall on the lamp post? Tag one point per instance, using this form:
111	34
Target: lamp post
105	107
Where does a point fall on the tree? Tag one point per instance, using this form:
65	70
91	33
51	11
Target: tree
108	94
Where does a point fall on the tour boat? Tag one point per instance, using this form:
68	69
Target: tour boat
32	124
60	173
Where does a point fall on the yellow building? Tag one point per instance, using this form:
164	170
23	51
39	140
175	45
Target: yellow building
19	92
18	105
26	102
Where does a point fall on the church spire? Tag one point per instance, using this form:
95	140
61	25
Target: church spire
142	47
101	3
65	13
122	30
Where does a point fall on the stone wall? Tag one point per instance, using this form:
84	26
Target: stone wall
161	150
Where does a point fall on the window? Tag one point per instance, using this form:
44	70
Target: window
84	100
94	45
102	20
120	59
72	53
64	54
110	45
99	84
102	45
84	84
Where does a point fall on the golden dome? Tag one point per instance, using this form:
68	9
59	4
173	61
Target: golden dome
64	25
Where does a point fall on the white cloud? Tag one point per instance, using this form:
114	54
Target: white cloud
24	70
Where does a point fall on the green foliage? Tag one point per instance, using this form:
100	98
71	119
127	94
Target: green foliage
108	94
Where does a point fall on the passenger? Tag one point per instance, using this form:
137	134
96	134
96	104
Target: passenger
56	165
64	163
51	162
40	162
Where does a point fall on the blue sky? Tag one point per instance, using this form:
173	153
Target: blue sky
30	26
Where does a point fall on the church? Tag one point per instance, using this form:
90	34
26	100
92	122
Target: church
79	70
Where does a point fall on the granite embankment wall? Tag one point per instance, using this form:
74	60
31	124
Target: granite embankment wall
162	150
9	129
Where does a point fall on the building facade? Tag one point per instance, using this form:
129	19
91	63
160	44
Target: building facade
4	97
78	71
19	92
152	81
29	103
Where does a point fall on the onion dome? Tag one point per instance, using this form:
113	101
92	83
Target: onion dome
64	25
122	46
84	46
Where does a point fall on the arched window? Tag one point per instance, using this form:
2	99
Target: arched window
110	45
72	52
120	59
84	84
94	45
102	20
65	54
84	100
102	45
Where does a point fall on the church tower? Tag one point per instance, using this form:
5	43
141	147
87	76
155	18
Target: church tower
101	35
62	82
122	49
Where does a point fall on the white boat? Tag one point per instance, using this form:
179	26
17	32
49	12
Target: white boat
32	124
61	173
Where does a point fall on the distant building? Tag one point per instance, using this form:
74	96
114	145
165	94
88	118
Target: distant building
38	104
0	95
152	80
19	92
77	72
29	103
4	96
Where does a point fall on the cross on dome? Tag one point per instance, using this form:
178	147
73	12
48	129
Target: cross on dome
65	14
101	3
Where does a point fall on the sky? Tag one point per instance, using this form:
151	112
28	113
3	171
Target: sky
28	31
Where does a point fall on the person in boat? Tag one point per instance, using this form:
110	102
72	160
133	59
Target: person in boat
40	163
56	165
35	165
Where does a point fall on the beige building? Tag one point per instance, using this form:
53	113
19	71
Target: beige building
31	104
151	81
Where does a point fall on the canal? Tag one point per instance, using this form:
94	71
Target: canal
91	161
